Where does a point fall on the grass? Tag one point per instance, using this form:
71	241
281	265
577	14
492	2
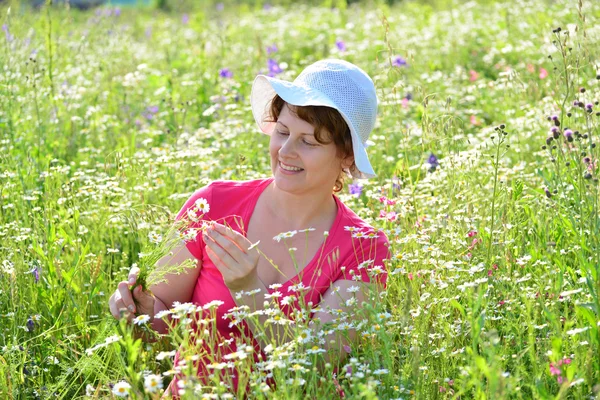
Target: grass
110	120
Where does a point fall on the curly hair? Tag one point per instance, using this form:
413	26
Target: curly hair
329	126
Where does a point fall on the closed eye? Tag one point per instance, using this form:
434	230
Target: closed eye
303	141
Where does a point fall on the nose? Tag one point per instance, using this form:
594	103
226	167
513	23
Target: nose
287	148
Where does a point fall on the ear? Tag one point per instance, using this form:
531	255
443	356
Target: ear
347	162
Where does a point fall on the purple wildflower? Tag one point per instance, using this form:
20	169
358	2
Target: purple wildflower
409	96
220	7
117	12
274	67
355	188
568	135
399	62
185	19
433	162
30	325
272	49
148	32
267	6
341	46
9	37
225	73
589	107
36	273
150	111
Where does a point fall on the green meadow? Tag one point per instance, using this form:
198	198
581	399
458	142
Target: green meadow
487	188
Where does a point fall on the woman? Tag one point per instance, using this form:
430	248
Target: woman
318	127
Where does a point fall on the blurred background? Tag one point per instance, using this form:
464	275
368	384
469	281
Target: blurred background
179	5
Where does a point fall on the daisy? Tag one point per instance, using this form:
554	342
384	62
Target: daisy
121	389
141	319
202	205
153	383
284	235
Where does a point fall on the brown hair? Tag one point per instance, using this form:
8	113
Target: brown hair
329	127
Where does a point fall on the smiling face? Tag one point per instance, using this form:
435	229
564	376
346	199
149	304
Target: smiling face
300	164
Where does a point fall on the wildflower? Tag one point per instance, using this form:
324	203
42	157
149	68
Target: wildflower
185	18
399	62
220	6
355	188
30	325
141	319
284	235
316	350
89	390
568	135
164	354
155	238
9	37
473	75
36	273
271	49
153	383
353	289
274	67
341	46
589	107
577	330
121	389
225	73
543	73
202	205
433	162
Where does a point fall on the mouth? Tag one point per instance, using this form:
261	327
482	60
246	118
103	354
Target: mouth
289	168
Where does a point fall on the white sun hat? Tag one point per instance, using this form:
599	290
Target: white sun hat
331	83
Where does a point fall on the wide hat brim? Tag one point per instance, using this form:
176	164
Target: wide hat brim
264	89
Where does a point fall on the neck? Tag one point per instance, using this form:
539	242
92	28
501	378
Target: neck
300	211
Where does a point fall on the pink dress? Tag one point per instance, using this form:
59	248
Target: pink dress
359	248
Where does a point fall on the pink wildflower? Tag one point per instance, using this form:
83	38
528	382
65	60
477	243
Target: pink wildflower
543	73
473	75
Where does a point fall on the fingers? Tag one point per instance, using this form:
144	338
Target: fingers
145	300
242	242
118	308
133	273
126	297
219	256
227	251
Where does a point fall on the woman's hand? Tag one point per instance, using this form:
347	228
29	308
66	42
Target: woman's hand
123	301
233	255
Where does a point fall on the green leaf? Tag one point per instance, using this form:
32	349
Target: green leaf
460	308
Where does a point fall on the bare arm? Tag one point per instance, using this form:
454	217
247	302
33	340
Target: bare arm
178	287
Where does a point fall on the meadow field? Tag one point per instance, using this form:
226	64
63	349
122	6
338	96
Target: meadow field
487	188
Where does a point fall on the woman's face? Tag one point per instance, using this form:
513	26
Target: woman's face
299	163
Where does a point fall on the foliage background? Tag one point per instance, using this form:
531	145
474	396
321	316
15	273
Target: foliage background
110	118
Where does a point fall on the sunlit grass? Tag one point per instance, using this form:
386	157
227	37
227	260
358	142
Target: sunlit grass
110	119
